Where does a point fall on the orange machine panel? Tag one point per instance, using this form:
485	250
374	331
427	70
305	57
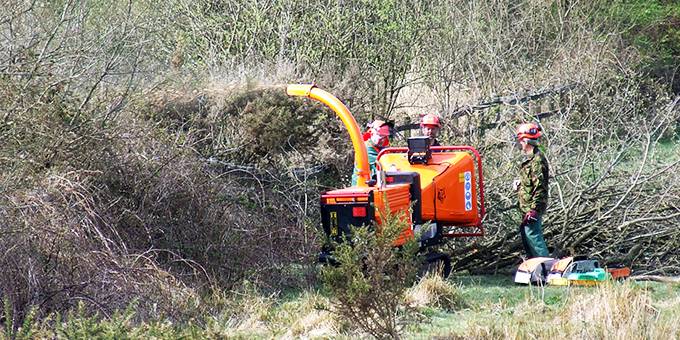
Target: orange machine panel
449	193
350	193
397	200
394	198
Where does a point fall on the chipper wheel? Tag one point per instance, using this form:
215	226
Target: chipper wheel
435	262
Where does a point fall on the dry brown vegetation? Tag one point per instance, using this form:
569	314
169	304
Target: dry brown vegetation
149	154
610	312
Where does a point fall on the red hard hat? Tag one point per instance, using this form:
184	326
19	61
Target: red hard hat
376	124
529	130
380	127
430	119
383	131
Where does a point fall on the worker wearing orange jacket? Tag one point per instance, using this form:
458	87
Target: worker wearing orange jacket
377	138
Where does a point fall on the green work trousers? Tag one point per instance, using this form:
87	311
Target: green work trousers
532	238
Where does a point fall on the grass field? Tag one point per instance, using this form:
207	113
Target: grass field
481	307
498	308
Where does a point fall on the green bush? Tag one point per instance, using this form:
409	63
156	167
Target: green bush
654	28
372	277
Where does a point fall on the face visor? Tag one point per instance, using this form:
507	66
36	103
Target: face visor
380	136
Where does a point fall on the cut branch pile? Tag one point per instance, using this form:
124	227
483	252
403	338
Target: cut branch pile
618	203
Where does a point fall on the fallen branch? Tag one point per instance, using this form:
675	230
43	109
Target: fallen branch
656	278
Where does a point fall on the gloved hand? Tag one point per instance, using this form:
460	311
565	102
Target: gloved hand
530	216
515	185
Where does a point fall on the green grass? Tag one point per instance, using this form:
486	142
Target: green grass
492	307
489	297
660	154
508	309
668	150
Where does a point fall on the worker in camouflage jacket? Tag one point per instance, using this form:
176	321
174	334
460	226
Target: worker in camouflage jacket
532	190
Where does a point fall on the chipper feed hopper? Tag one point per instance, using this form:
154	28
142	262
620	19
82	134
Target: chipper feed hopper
439	190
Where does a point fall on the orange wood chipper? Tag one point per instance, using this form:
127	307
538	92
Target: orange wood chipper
438	189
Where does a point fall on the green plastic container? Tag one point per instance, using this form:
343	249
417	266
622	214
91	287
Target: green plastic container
598	274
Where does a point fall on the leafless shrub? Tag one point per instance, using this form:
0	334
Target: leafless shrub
59	249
